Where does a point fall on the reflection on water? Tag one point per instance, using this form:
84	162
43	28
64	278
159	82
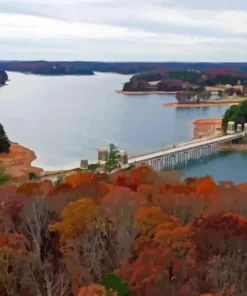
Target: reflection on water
226	166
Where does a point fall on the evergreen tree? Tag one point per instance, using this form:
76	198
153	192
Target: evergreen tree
4	141
113	159
93	167
59	180
113	283
32	176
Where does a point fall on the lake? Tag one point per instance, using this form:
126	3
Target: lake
67	118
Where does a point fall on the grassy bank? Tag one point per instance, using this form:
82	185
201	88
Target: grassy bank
228	100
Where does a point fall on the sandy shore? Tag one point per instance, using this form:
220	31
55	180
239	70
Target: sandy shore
17	162
145	92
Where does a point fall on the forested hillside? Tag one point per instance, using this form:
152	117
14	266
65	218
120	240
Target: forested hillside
136	232
186	79
87	68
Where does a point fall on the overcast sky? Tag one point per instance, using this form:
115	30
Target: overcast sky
124	30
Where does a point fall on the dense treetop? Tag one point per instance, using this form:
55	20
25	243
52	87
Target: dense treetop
137	232
237	114
175	80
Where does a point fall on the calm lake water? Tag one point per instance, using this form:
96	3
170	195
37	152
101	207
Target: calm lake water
64	119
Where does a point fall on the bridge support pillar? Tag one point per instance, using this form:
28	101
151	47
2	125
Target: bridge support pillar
245	127
239	128
84	164
123	157
102	154
230	128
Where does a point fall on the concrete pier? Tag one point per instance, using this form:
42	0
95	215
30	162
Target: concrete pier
84	164
239	128
231	128
102	154
123	157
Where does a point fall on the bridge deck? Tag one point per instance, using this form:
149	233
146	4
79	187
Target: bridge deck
184	147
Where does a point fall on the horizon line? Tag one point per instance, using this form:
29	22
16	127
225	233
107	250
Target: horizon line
147	62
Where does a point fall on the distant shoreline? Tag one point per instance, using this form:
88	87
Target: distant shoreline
190	105
53	75
145	92
152	92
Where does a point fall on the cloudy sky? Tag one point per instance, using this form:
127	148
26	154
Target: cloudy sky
124	30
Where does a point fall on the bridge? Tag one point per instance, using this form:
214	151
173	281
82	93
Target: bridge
180	154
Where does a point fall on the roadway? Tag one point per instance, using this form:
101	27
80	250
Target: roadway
183	147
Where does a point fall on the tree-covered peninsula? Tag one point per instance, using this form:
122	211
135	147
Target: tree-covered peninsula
173	81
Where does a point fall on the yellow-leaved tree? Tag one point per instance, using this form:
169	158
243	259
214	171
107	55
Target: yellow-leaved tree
77	217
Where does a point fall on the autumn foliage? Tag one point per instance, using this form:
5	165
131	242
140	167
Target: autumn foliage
153	234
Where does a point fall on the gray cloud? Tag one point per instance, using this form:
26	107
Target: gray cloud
124	29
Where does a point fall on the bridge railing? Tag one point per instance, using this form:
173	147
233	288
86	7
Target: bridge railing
171	146
207	141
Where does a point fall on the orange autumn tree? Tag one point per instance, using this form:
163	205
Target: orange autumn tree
218	233
30	188
206	187
148	219
46	187
173	236
77	217
87	184
80	179
184	206
151	192
153	267
135	177
95	290
160	230
80	242
14	259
